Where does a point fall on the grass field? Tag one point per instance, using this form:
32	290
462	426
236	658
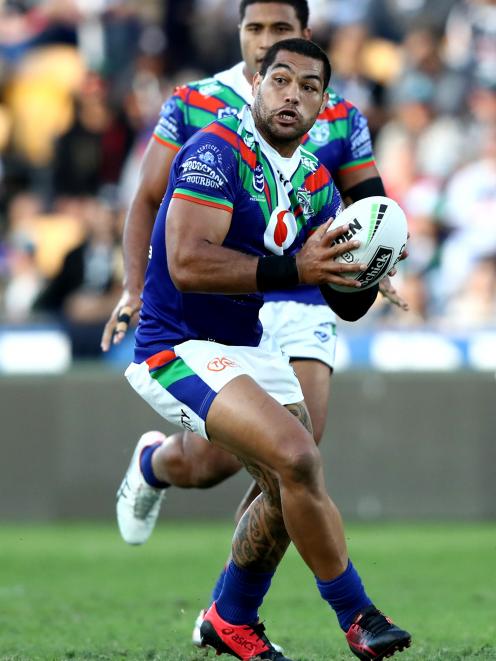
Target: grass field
78	592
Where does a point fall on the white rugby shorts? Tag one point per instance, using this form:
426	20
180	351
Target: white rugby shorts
302	330
181	383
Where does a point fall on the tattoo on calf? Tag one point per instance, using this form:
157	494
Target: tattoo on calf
261	539
300	411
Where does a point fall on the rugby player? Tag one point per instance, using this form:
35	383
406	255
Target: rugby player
219	241
304	326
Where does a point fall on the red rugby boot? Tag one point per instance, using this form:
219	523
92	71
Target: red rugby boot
243	641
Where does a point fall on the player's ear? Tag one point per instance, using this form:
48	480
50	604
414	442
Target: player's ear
257	79
325	101
307	34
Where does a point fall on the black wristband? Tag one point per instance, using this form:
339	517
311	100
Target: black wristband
277	272
367	188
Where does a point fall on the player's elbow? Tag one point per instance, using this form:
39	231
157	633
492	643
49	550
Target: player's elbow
181	271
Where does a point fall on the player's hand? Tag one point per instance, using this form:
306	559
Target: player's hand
316	260
116	327
389	292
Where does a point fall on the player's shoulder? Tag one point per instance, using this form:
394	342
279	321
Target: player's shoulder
219	137
338	107
205	87
225	129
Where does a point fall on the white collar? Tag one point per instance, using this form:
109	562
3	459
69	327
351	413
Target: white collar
236	79
286	165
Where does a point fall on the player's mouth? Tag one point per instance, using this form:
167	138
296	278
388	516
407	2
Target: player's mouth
287	116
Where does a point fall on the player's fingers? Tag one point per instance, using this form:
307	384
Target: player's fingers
342	248
124	315
123	319
332	234
344	282
317	234
108	333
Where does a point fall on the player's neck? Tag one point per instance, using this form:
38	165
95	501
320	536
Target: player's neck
247	74
283	148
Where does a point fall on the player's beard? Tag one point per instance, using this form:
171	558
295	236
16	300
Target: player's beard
274	133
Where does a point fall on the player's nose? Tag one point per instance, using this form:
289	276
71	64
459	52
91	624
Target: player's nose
292	94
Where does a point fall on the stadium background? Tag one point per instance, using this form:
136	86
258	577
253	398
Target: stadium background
410	430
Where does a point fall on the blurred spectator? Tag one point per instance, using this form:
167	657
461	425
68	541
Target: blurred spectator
423	53
181	48
215	22
42	87
25	25
391	19
469	215
471	38
91	153
328	15
434	141
421	204
481	116
24	280
84	291
474	305
346	53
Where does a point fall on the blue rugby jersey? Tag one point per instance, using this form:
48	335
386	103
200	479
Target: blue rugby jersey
340	137
275	204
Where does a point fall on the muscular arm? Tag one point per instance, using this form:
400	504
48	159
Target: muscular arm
197	260
199	263
154	176
348	179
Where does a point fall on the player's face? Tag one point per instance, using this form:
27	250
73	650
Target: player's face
263	25
289	98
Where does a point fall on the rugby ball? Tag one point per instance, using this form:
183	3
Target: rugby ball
380	225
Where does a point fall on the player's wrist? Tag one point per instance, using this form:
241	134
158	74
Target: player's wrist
132	290
277	272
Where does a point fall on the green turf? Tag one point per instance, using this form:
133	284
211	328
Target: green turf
78	592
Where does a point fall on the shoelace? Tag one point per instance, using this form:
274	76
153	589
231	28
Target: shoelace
145	500
257	630
375	622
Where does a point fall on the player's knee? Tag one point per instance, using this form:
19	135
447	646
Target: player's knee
176	463
318	430
215	467
302	465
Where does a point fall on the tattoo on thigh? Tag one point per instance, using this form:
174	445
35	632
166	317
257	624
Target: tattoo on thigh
261	540
300	411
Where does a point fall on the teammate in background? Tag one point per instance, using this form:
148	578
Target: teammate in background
217	244
303	324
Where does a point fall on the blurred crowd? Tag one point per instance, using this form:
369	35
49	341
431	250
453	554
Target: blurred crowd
81	85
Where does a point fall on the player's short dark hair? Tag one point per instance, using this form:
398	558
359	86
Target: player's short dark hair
302	46
300	7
